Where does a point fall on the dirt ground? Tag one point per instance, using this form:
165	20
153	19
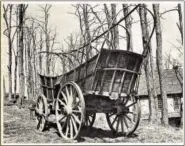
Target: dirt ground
18	128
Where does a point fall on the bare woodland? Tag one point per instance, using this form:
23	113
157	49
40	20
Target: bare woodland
32	47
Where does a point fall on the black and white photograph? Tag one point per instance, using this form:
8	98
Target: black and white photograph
79	72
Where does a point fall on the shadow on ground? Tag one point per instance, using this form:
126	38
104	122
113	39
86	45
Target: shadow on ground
90	132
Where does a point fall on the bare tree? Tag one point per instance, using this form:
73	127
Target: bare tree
22	9
87	29
128	26
40	49
147	69
46	10
29	69
115	29
111	18
159	62
4	88
180	25
7	15
16	53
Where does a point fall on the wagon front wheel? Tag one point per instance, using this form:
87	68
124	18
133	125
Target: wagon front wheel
70	110
41	111
125	119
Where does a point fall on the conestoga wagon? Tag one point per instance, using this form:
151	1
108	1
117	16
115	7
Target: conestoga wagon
107	83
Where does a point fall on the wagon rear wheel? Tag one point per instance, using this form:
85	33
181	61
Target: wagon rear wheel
126	120
70	110
41	111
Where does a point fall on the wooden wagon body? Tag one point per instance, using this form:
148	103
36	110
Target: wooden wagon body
103	79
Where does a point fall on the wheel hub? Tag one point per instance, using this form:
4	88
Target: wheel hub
69	110
122	110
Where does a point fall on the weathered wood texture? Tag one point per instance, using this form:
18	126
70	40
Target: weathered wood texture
48	87
110	73
116	72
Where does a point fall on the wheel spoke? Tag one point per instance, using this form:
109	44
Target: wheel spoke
61	102
117	126
76	104
67	129
74	125
91	115
127	99
129	119
65	123
122	127
71	128
111	115
89	120
64	96
76	111
76	118
114	121
71	91
126	123
131	104
60	120
67	92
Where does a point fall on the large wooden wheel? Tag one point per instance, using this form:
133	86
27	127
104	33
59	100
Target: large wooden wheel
89	119
70	110
126	119
41	111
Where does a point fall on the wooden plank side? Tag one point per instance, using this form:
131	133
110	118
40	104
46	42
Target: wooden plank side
77	75
118	76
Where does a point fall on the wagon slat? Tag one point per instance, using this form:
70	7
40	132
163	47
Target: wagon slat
114	74
133	75
104	72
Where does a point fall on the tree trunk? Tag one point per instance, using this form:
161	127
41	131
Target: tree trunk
153	85
40	56
7	15
16	55
110	34
154	101
29	74
10	68
115	29
4	88
145	36
159	62
128	26
15	78
47	37
20	55
87	31
34	67
10	54
180	26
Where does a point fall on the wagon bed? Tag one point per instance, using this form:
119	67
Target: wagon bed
110	73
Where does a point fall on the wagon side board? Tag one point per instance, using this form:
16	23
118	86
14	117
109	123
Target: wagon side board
116	73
